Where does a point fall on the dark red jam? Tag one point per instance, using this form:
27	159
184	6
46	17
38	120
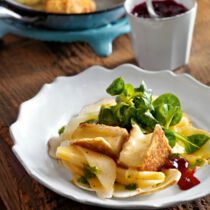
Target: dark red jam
187	179
165	8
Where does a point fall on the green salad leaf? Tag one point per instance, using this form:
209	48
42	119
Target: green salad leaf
172	139
197	139
136	105
192	143
146	120
116	87
107	117
167	109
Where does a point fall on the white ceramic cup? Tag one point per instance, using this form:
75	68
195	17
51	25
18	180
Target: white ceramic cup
162	43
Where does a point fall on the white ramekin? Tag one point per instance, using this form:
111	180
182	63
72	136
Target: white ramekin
162	43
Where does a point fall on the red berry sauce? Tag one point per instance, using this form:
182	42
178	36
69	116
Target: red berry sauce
187	179
165	8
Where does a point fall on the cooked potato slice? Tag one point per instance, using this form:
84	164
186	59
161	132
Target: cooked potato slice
142	178
190	130
145	152
89	112
115	136
70	6
172	176
204	151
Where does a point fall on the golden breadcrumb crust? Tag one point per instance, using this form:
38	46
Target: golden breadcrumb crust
158	151
114	136
70	6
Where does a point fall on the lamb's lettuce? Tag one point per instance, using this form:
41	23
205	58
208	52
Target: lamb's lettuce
136	105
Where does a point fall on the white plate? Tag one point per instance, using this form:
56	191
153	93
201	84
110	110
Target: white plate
41	117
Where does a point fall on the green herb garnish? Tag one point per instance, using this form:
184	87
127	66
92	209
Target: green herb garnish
90	172
131	187
196	163
61	130
83	180
174	155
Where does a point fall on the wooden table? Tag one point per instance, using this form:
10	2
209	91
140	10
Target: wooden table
25	65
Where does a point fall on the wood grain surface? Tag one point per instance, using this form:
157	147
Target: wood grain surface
25	65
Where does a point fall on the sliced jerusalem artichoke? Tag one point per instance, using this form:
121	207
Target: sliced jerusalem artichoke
75	169
53	144
79	182
98	170
145	152
96	135
121	192
107	171
72	155
89	112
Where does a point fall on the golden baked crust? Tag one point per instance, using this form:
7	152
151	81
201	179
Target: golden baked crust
70	6
158	151
115	136
97	144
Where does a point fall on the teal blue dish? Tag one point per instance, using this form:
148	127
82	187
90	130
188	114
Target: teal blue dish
107	11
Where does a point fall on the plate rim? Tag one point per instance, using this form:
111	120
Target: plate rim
34	175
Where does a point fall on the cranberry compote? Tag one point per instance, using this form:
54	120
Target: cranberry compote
187	179
164	8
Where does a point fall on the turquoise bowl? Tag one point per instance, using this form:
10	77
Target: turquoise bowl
108	11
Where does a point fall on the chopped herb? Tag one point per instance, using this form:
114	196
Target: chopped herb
90	172
83	180
131	187
61	130
198	162
174	155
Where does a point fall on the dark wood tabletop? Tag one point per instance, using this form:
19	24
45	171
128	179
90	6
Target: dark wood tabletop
26	64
